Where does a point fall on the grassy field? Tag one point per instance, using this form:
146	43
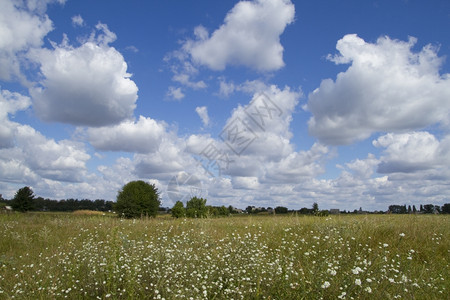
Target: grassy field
79	256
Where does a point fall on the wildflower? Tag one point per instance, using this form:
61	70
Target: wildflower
368	289
385	245
325	285
358	281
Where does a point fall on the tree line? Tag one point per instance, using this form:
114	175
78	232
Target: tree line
138	199
25	200
423	209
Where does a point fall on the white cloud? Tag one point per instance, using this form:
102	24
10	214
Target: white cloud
412	152
298	165
77	21
10	103
363	168
266	121
132	49
22	28
103	36
175	93
168	161
143	136
88	85
62	161
248	86
202	112
38	6
387	88
185	79
250	36
250	183
226	88
27	155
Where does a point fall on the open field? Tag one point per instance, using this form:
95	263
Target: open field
56	256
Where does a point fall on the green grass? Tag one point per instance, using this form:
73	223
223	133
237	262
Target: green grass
56	256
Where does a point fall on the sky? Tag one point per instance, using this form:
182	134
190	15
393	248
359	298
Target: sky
265	103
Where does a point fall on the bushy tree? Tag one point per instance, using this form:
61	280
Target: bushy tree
428	208
323	213
281	210
217	211
315	208
178	210
23	199
137	199
397	209
196	208
223	211
446	208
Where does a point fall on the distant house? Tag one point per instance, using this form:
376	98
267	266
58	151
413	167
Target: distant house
334	211
237	210
6	209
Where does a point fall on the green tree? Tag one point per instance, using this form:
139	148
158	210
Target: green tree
281	210
178	210
428	208
397	209
23	200
196	208
223	211
446	208
137	199
315	208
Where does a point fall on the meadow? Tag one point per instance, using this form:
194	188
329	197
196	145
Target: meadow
89	256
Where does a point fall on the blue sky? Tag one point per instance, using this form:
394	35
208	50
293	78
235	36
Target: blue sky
265	103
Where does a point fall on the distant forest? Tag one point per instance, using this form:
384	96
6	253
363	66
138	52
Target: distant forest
70	205
41	204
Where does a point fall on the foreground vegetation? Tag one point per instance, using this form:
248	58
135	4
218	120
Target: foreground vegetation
77	256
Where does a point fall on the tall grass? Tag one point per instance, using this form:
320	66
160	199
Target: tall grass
53	256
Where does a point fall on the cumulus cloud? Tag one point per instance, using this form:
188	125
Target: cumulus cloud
10	103
250	36
298	165
363	168
175	93
250	183
202	112
256	141
412	152
62	161
38	6
143	136
387	88
77	21
264	123
185	79
23	26
88	85
168	161
27	155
